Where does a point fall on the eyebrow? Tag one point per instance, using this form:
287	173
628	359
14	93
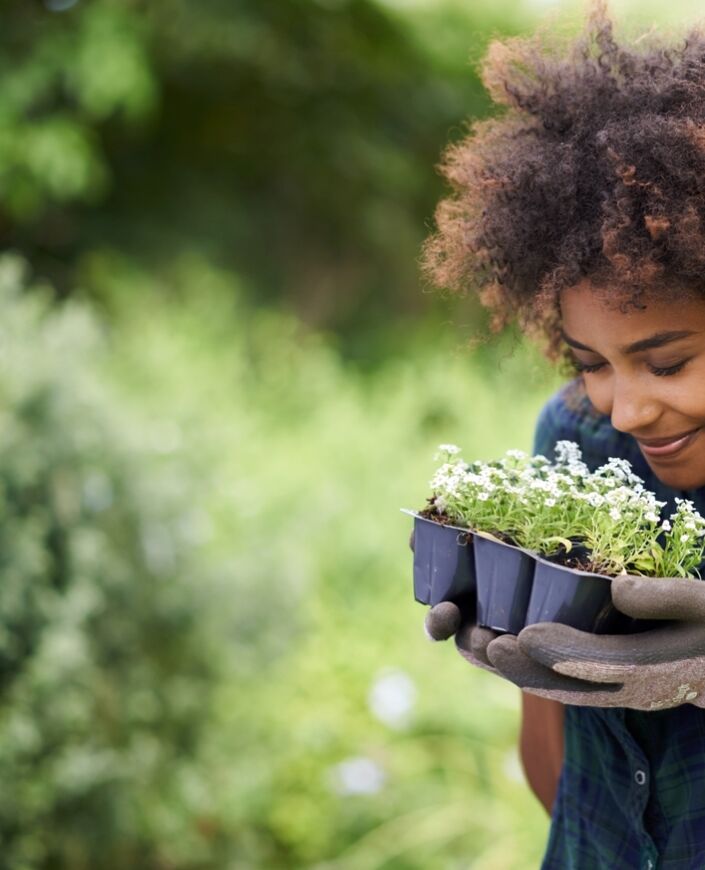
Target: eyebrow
658	339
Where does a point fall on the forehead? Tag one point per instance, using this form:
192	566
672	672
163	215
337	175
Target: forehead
595	315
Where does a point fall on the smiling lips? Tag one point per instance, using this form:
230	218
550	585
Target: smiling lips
667	447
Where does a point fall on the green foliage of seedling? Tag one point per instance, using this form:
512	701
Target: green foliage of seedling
609	512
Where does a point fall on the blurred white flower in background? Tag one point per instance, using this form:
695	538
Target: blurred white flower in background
392	698
358	775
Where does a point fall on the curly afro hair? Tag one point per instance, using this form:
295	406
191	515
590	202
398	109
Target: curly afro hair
594	170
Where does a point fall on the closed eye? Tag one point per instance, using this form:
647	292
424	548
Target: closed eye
659	371
667	370
587	367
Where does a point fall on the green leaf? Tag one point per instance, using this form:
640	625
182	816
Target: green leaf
566	543
644	562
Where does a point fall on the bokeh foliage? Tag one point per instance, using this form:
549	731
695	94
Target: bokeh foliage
105	653
291	140
313	462
206	575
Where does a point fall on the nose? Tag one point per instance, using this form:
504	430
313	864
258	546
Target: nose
634	407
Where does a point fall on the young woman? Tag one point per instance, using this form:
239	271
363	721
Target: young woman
580	212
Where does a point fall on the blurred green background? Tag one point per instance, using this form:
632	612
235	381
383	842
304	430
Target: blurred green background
221	378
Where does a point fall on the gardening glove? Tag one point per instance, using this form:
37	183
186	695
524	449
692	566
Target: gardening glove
653	670
471	641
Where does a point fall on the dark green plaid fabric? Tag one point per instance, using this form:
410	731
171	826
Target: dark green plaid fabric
632	788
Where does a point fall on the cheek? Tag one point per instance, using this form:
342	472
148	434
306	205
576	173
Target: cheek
684	394
599	391
688	405
681	396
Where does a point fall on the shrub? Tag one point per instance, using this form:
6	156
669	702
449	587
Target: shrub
104	667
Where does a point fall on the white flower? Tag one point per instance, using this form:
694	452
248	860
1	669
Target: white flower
610	509
446	450
540	485
568	453
450	449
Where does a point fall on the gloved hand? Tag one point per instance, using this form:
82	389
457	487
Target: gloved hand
471	641
655	669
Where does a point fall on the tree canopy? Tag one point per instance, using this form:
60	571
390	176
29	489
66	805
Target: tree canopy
289	140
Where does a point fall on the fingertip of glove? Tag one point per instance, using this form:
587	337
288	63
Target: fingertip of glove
463	637
627	592
536	637
681	598
501	649
442	621
483	636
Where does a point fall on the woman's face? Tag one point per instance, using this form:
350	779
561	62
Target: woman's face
646	370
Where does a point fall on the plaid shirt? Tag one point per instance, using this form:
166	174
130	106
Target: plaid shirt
632	788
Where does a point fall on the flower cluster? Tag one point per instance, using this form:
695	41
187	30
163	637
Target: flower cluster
561	507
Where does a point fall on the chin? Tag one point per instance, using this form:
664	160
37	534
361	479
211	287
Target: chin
679	477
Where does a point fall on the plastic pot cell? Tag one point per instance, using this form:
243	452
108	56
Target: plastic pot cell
504	580
576	598
443	563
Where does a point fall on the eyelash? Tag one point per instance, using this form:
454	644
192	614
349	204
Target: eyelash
584	368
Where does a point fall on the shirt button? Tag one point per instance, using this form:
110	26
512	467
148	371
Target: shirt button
640	777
